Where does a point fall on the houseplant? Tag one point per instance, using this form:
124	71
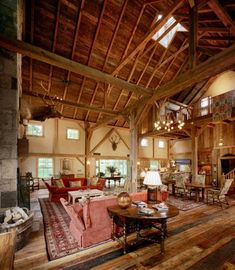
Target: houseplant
111	169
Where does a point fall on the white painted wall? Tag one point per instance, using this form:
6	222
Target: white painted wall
222	84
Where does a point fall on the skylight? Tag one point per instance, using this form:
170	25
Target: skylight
165	41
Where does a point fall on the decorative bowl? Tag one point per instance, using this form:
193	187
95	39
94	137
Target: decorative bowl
124	200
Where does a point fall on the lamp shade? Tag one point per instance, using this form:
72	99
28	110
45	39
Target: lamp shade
152	178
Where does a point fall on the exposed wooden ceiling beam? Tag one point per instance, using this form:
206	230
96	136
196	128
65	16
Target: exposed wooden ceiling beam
157	26
193	19
191	3
71	104
148	2
64	63
90	52
78	23
213	29
222	14
213	66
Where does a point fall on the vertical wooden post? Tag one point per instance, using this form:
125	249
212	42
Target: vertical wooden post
194	153
193	21
87	148
133	152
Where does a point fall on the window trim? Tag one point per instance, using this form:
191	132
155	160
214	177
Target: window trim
53	165
147	142
76	139
164	144
35	135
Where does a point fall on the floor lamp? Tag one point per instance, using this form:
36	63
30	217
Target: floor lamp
152	179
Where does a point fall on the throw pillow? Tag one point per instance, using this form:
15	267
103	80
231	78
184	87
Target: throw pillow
59	183
75	183
94	181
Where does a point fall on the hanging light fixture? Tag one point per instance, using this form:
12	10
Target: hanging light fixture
168	120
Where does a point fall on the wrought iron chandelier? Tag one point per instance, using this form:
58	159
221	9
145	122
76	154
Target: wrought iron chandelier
169	120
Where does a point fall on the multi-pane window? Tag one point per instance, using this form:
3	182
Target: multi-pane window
144	142
35	130
45	167
72	134
120	165
205	103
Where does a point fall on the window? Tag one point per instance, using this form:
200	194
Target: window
72	134
144	142
35	130
205	103
165	41
45	167
102	164
161	144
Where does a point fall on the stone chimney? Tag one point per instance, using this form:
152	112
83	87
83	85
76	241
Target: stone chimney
8	109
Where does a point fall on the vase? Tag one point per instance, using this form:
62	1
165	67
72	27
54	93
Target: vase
124	200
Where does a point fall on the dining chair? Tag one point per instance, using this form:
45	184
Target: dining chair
219	195
180	187
200	179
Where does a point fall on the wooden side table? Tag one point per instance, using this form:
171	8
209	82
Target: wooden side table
132	217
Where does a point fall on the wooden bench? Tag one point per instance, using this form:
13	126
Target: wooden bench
7	250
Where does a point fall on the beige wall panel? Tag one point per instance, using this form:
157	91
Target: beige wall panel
43	144
160	152
146	151
66	146
222	84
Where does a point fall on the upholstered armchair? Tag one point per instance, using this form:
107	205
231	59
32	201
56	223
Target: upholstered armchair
219	195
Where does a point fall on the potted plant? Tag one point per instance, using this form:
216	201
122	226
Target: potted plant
111	169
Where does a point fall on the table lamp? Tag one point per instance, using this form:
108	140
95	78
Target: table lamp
152	179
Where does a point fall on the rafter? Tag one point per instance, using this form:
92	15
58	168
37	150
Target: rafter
64	63
90	52
128	45
156	27
193	19
213	66
108	51
222	15
79	17
72	104
54	43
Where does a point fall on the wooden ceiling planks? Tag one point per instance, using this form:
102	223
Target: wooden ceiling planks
115	37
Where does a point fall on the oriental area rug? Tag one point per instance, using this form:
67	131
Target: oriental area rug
183	204
59	240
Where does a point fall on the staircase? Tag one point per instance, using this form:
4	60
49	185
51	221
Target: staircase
230	175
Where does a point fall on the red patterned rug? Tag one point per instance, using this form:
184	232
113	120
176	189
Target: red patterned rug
59	240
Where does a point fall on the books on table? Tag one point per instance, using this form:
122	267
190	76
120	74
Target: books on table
139	204
146	211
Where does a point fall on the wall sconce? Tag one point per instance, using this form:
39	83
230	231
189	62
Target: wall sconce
88	162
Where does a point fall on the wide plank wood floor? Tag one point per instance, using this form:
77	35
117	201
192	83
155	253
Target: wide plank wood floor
195	237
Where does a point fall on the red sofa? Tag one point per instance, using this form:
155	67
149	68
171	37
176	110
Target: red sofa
55	193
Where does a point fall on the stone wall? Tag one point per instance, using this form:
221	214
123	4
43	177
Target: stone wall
8	109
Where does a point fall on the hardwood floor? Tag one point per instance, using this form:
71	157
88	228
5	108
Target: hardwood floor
196	239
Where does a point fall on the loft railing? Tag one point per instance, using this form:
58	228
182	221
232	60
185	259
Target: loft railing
229	175
205	105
